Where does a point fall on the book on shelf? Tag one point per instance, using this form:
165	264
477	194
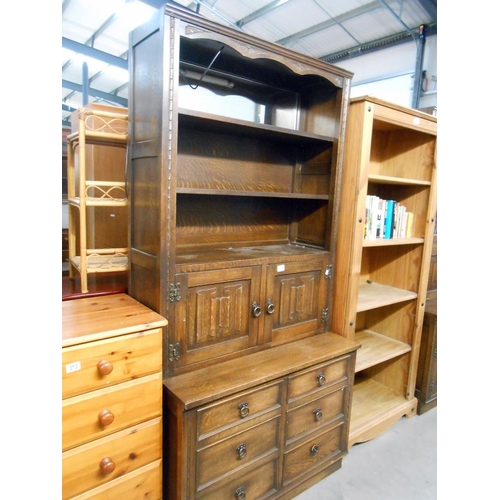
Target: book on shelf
409	225
389	213
386	219
380	218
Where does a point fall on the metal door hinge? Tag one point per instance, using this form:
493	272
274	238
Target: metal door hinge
328	271
174	293
174	351
324	315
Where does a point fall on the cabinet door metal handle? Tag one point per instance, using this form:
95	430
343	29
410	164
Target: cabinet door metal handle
314	449
321	379
270	307
256	310
239	494
244	410
241	451
318	415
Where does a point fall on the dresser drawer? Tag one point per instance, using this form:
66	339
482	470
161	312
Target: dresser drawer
260	482
237	451
144	483
314	415
101	461
102	363
241	408
102	412
319	377
321	448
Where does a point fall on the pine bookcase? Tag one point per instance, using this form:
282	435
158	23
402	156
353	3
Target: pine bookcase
381	284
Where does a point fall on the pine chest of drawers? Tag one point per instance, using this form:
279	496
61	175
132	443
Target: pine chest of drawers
111	399
268	425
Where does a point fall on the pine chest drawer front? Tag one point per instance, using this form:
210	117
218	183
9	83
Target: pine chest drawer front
102	412
237	451
103	460
142	484
317	378
314	415
249	484
99	364
239	409
315	452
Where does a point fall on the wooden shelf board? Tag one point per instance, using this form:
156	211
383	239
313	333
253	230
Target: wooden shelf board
99	202
261	194
235	126
382	242
387	179
373	295
376	408
377	348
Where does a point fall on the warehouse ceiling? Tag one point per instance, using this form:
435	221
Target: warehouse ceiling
95	34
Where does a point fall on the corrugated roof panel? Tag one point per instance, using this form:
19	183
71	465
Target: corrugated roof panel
85	18
236	11
295	16
373	25
411	12
339	7
324	42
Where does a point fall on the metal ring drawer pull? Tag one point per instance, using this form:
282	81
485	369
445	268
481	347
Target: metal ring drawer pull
318	415
244	410
256	310
239	494
270	307
241	451
321	379
314	449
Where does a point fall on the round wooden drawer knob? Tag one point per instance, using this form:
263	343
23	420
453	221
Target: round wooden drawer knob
105	417
107	465
104	367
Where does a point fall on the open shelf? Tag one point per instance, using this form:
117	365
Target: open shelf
259	194
373	295
233	126
377	348
386	179
381	242
103	263
376	408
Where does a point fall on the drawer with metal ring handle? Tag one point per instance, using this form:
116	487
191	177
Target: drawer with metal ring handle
237	451
238	409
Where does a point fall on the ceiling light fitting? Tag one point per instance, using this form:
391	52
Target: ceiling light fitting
199	77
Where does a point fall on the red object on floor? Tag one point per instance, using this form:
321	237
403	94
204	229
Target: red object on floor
98	284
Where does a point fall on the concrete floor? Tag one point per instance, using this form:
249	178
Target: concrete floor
399	464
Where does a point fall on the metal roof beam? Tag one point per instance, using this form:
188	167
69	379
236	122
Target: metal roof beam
94	53
261	12
331	22
96	93
376	45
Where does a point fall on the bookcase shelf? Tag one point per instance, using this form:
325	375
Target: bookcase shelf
385	179
380	293
375	409
373	295
377	348
392	241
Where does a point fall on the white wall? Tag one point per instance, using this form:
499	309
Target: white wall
389	74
